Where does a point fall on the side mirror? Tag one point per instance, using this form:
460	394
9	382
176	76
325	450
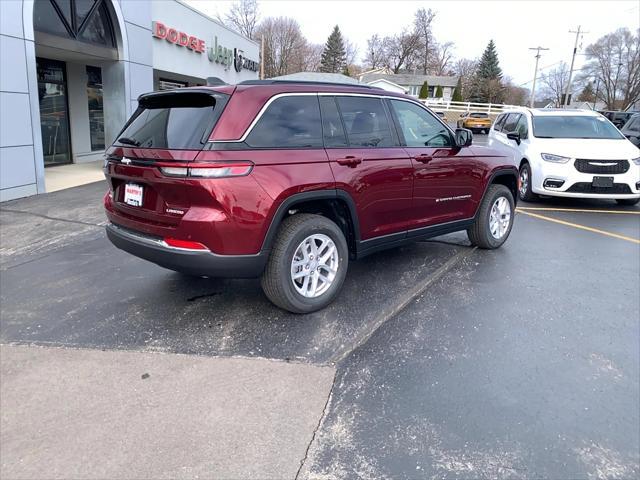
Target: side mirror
464	137
514	136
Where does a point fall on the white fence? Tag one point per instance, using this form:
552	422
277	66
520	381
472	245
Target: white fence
446	105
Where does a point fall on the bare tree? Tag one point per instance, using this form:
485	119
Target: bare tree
465	68
442	58
307	59
243	17
351	50
376	55
401	49
614	63
284	44
554	83
514	94
422	25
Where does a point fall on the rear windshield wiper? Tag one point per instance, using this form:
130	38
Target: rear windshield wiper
128	141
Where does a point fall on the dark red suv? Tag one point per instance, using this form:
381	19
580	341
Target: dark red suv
290	181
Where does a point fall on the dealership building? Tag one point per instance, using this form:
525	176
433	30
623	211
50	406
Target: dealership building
71	71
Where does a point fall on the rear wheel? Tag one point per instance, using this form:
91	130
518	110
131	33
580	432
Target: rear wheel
494	219
524	191
307	265
628	201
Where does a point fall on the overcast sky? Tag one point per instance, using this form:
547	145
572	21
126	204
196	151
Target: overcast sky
514	25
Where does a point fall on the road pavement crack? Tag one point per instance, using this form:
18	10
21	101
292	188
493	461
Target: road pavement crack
325	411
404	301
55	219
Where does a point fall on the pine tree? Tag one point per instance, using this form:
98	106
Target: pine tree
424	90
439	91
457	92
587	94
334	56
489	67
487	84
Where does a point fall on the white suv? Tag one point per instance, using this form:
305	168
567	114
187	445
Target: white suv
568	153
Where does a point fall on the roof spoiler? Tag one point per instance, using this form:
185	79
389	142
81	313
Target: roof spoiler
215	82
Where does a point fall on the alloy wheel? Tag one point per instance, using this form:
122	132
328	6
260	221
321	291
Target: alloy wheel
500	217
314	265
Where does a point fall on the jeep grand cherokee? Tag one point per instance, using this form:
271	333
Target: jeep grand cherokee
290	181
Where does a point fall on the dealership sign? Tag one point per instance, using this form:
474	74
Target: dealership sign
227	57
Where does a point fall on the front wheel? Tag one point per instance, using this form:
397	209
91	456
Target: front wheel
524	190
629	202
494	219
307	265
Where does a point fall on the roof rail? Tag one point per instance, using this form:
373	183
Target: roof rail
306	82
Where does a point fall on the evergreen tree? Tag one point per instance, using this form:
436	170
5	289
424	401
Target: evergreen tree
489	67
487	84
587	94
457	92
439	91
334	56
424	90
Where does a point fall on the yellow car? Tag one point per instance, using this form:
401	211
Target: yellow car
475	121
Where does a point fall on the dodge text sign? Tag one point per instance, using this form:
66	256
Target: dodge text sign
171	35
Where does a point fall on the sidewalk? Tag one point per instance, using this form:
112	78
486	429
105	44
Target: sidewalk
90	414
72	175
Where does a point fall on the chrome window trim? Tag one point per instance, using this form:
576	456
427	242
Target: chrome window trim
324	94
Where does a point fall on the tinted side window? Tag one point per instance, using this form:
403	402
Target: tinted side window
511	122
497	126
331	124
289	122
522	128
419	127
366	122
634	124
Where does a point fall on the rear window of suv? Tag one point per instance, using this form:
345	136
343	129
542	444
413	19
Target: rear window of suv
177	121
479	115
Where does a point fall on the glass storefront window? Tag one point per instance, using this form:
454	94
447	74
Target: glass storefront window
54	112
96	110
83	20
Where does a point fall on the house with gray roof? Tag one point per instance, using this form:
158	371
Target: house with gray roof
412	83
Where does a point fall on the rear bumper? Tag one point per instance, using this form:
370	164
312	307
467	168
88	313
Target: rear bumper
193	262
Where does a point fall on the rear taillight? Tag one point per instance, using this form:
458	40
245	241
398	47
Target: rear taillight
210	170
185	244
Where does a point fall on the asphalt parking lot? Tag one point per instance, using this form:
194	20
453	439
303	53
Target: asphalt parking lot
437	360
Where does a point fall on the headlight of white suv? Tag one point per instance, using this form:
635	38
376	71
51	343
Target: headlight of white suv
636	160
550	157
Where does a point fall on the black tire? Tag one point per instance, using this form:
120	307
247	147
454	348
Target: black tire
480	232
277	282
629	202
524	192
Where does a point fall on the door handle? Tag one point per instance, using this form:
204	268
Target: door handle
423	158
349	161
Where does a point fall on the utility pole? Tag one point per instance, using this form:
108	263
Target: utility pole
596	94
261	57
573	59
535	74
